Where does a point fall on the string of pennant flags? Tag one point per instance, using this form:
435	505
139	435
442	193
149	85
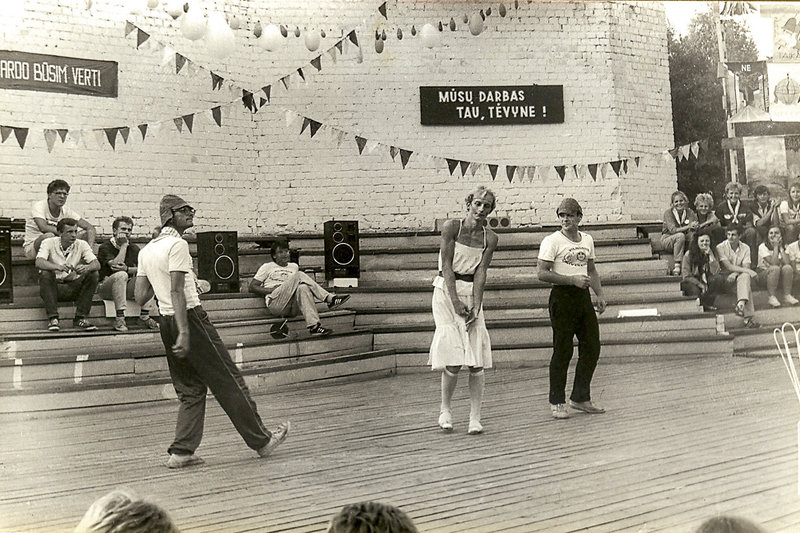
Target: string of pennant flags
255	99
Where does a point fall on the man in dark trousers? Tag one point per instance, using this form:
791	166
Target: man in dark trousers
197	358
566	260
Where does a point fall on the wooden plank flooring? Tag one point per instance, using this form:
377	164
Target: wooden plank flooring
683	440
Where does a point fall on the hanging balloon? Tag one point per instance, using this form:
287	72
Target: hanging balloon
297	31
379	45
219	37
284	31
322	33
194	24
502	10
234	23
413	31
271	39
441	27
452	24
488	11
383	35
475	23
399	34
257	30
186	7
175	8
312	40
429	35
152	4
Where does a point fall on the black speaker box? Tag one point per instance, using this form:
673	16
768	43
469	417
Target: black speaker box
6	288
341	249
218	260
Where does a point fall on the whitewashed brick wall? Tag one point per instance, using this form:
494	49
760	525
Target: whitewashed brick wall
255	174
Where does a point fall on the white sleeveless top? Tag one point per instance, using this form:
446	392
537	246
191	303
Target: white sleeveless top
465	260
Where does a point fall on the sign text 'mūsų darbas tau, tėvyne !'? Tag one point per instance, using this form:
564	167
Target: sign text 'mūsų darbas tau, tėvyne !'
480	106
71	75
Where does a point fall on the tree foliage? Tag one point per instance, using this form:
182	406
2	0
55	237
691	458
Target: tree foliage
697	104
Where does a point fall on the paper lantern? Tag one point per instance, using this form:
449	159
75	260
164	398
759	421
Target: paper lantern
194	24
219	37
174	8
271	39
312	40
297	31
152	4
429	35
379	45
399	34
502	10
475	24
452	24
234	23
257	29
284	31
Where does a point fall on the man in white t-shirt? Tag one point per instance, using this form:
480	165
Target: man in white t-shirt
45	215
566	260
198	359
289	292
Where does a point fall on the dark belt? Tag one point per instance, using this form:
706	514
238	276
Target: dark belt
462	277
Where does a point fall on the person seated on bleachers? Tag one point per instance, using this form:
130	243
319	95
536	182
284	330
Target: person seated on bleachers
289	292
734	256
793	253
679	225
765	212
45	215
706	219
775	268
732	211
120	511
789	212
118	261
371	517
67	271
728	524
702	273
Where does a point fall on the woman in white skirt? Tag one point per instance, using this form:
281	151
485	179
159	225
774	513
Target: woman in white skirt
461	338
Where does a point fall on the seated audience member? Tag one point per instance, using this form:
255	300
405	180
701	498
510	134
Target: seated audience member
121	512
765	212
734	256
728	524
789	213
289	292
45	215
775	268
701	271
371	517
118	259
732	211
680	223
67	271
793	253
706	219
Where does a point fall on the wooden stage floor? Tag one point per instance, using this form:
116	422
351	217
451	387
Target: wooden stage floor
683	440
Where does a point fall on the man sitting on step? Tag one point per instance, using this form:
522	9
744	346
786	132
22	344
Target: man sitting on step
45	215
67	271
289	292
118	263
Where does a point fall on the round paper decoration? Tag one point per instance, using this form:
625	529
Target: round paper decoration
257	30
175	8
234	23
194	24
312	40
475	23
152	4
502	10
430	36
271	39
787	91
219	37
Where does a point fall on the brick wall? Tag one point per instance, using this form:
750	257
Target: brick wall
256	174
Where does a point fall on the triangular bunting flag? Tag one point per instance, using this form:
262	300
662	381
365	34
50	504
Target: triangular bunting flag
625	166
167	55
111	135
216	113
262	102
464	167
593	171
575	172
451	164
393	151
684	151
604	169
361	142
125	131
290	116
695	148
332	53
306	122
179	62
143	130
129	28
510	169
353	37
188	120
300	71
616	166
247	100
216	81
382	10
371	145
50	139
561	169
493	171
266	89
178	123
5	131
317	63
405	155
141	37
155	128
314	126
474	167
285	81
340	135
63	134
673	153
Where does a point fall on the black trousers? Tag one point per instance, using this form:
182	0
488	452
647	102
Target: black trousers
207	365
572	315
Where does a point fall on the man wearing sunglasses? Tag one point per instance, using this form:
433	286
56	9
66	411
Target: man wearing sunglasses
198	359
45	215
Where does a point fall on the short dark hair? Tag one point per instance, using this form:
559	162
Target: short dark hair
56	185
734	227
122	512
118	220
65	222
728	524
278	244
371	517
761	189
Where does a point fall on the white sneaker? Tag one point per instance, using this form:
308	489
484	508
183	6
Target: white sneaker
559	410
446	420
790	300
475	427
773	301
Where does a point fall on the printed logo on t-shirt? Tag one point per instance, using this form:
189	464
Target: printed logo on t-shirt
577	256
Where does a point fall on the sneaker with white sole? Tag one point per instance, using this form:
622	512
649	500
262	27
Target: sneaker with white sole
119	324
183	460
788	299
148	322
587	407
773	301
319	330
52	325
83	324
279	435
559	410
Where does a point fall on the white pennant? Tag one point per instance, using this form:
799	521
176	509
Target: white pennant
291	117
100	137
169	55
370	146
684	151
695	148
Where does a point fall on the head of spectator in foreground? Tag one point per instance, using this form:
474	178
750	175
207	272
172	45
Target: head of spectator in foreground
120	511
678	201
482	193
279	250
176	212
57	192
703	203
122	227
371	517
728	524
67	228
761	192
733	232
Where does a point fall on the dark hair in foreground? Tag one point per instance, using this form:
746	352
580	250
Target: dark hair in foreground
121	512
728	524
371	517
56	185
64	222
278	244
119	220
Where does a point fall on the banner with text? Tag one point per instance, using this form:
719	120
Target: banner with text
480	106
40	72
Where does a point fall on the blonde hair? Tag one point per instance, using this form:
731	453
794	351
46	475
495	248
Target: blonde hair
481	191
704	197
120	511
